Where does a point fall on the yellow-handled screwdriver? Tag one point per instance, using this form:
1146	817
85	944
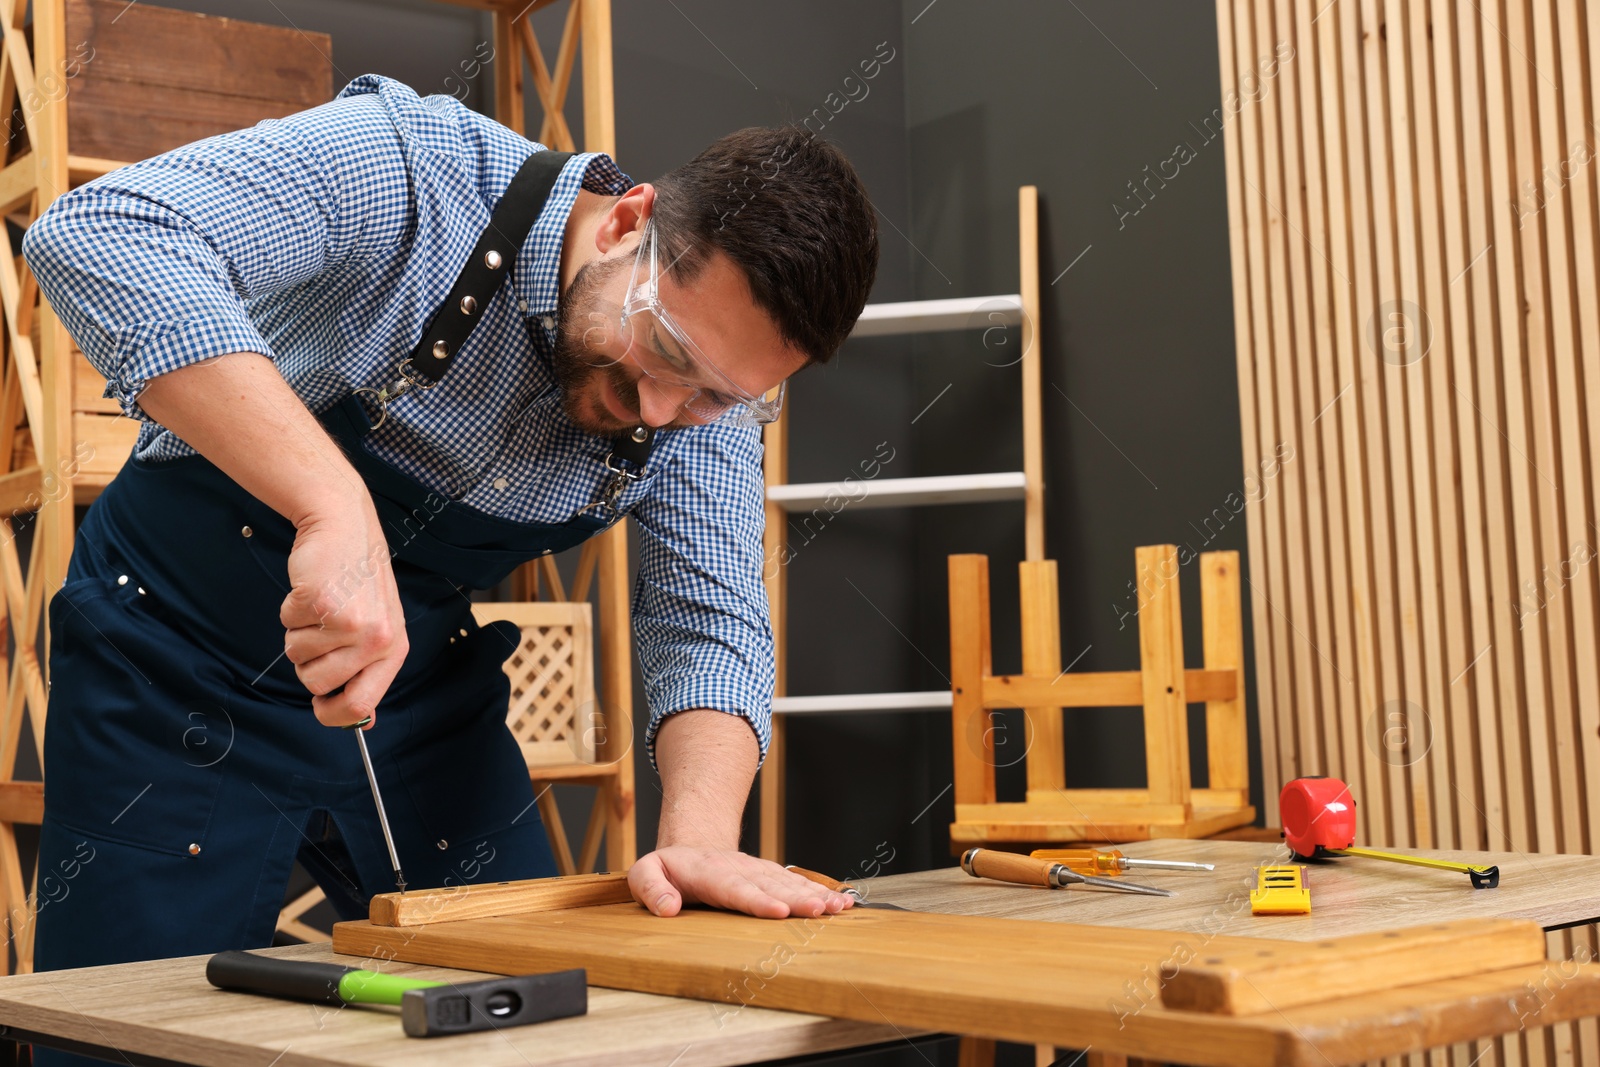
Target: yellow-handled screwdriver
1113	862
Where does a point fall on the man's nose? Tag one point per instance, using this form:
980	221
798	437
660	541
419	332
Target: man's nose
660	402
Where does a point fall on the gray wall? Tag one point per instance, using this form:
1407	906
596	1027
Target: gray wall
1077	99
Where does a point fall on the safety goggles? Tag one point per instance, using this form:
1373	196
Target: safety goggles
670	358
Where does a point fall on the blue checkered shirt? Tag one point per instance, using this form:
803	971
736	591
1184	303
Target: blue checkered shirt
324	241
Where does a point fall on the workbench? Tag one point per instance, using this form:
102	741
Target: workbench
164	1011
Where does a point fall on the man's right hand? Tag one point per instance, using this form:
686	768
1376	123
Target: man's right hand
346	629
343	616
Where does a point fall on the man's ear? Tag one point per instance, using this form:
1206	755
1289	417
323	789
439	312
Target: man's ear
628	215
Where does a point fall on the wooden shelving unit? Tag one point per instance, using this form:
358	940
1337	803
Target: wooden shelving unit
57	431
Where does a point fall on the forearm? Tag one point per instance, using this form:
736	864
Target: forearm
708	760
238	412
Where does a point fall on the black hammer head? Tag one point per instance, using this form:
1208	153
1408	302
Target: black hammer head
494	1003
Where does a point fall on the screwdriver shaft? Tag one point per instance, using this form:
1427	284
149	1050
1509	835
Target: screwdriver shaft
1169	865
383	816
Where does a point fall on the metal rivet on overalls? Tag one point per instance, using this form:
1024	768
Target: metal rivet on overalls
492	260
141	591
440	350
194	850
247	532
122	579
463	633
639	434
469	304
443	844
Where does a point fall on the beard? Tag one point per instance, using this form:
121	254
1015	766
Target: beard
579	369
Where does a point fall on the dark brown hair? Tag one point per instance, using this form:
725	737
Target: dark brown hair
791	212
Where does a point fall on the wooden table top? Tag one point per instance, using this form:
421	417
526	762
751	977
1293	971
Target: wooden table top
1349	895
166	1008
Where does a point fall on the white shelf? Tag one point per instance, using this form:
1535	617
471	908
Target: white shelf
936	316
937	699
901	492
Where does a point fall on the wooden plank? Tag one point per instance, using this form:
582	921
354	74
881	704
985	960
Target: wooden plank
1501	349
1100	689
177	1016
1041	658
972	742
453	904
1200	798
1016	824
993	978
225	56
1258	980
1243	326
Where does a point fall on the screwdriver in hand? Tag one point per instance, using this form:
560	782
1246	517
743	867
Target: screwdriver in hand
1112	862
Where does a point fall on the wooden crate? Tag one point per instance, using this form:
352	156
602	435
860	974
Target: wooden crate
140	80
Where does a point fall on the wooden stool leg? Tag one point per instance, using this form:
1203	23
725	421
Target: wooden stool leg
1041	658
599	815
976	1052
971	738
554	828
1166	710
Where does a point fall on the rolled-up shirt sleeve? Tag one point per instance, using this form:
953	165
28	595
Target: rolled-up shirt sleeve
150	267
700	606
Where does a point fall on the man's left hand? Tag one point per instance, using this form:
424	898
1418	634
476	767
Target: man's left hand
671	877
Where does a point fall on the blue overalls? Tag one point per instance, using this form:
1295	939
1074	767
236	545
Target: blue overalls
184	769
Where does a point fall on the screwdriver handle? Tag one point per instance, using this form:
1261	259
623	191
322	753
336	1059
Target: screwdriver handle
1085	860
1016	868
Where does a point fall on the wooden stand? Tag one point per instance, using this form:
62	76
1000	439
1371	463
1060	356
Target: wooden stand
1168	806
61	442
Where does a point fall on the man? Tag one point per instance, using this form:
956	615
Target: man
312	497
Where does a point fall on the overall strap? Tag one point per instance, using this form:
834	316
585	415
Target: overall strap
488	266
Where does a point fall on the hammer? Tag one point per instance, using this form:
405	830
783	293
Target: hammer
427	1008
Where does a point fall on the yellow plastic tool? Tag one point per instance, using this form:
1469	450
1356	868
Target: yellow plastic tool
1112	862
1280	890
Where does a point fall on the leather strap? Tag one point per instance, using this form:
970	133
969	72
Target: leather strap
486	270
488	267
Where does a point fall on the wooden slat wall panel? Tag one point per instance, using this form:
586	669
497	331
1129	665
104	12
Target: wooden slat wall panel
1414	219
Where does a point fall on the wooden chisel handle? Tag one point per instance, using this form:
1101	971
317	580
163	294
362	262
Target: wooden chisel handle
1010	867
823	880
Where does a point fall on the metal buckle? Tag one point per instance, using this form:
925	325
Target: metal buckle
410	378
611	491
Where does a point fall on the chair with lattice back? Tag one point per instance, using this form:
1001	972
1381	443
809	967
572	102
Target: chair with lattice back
556	718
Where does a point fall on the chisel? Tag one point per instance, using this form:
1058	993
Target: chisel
846	888
377	798
1025	870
